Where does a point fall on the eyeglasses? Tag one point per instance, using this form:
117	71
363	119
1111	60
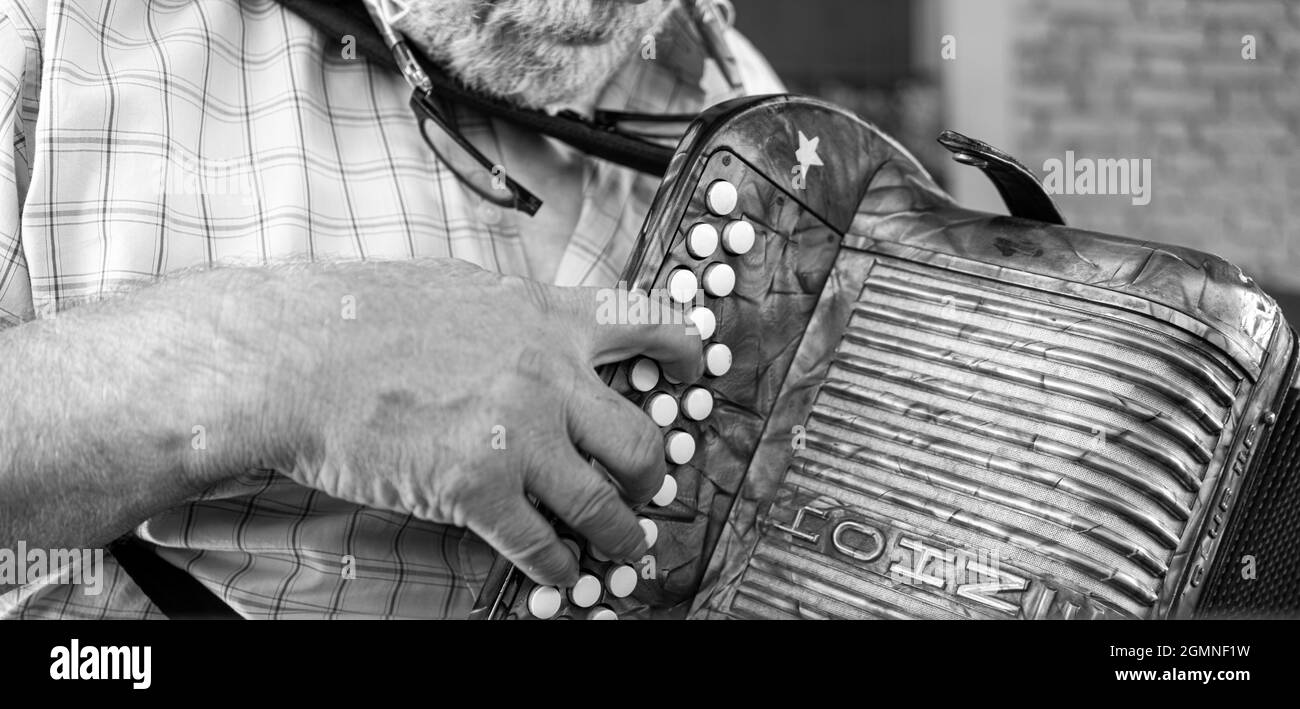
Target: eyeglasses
477	171
642	141
654	137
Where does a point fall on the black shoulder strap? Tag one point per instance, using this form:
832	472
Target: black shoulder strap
177	594
343	18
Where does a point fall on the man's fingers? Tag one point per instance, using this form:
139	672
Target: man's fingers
519	532
588	502
621	436
629	323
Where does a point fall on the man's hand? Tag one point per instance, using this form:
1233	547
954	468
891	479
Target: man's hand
386	384
453	392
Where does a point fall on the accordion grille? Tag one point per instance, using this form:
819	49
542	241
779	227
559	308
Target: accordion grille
1051	435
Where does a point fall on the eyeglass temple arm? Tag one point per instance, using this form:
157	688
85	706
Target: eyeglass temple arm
524	200
422	103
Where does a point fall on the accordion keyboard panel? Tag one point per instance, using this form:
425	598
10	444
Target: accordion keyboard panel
983	450
777	256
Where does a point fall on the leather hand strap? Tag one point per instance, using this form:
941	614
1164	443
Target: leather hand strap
1020	190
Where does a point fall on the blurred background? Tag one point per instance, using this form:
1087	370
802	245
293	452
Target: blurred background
1209	90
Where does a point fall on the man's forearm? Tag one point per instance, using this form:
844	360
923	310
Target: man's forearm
115	410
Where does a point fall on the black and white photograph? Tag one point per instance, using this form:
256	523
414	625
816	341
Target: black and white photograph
809	310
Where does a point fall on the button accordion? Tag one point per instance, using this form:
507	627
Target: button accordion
915	410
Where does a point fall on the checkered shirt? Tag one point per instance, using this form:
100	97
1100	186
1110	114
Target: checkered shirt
137	138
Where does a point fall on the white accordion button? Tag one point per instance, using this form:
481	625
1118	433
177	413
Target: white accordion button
719	280
651	530
667	492
601	613
722	198
644	375
682	285
679	447
544	602
717	359
702	240
697	403
738	237
704	321
585	592
662	409
620	581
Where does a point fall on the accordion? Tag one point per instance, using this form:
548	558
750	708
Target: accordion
923	411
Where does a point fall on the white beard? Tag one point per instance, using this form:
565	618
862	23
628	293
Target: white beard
535	53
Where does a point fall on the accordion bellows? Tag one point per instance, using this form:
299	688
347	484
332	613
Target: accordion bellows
942	413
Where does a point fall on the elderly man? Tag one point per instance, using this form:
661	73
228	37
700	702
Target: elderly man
249	313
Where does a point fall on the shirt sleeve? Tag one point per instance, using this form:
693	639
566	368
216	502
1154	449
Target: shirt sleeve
19	94
758	76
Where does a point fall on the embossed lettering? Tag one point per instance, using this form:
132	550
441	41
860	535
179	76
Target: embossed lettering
793	529
922	555
872	552
983	593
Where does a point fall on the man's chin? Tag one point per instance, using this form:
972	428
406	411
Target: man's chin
535	53
575	81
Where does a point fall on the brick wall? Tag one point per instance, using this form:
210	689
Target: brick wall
1165	79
